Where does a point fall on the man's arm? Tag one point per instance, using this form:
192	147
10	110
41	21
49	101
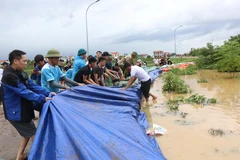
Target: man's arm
64	78
102	80
22	91
57	85
109	73
130	82
92	81
86	80
36	88
96	78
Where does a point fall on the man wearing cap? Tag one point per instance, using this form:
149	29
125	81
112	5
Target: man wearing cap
84	74
4	65
79	61
51	73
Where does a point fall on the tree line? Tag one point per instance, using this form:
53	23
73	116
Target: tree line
224	58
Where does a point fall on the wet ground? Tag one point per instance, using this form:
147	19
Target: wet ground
186	138
189	138
9	139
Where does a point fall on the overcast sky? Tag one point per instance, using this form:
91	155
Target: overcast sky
35	26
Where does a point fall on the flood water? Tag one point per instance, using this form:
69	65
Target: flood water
186	138
189	138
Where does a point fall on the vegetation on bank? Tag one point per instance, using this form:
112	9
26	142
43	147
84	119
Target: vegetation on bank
224	58
172	83
173	105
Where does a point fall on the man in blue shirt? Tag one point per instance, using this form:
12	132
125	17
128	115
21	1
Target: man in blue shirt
51	73
39	60
19	93
79	61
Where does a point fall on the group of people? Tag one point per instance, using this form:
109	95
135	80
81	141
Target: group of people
21	95
162	61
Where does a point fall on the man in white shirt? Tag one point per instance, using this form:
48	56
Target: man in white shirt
138	72
156	62
4	64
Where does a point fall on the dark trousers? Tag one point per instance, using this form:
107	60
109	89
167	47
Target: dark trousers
145	88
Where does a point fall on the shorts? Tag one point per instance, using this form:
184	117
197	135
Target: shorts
25	129
145	88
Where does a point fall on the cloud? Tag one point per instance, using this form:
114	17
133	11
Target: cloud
119	25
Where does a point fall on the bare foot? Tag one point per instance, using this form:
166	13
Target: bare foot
146	99
22	157
154	97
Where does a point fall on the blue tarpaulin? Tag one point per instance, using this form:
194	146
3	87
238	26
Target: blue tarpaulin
94	123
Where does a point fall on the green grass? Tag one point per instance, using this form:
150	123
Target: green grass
28	71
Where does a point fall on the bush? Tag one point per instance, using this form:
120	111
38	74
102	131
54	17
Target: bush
196	99
172	83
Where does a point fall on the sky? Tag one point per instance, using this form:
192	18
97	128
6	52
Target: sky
115	25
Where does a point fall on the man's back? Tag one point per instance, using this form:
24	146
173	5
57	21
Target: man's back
79	75
139	73
127	59
78	63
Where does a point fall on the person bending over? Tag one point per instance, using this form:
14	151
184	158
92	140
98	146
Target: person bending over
138	72
84	74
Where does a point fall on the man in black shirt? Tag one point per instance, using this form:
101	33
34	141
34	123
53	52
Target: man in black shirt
98	71
84	74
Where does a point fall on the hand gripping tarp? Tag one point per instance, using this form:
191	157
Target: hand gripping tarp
94	123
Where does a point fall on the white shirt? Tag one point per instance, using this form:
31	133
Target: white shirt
139	73
155	61
1	74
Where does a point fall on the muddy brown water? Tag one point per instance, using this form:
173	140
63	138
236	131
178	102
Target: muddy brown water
188	138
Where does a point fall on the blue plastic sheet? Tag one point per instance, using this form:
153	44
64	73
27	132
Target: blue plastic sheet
154	74
94	123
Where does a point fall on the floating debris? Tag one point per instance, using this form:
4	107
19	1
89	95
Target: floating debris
183	114
202	81
184	122
216	132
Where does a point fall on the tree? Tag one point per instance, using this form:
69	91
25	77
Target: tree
225	58
235	38
228	57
